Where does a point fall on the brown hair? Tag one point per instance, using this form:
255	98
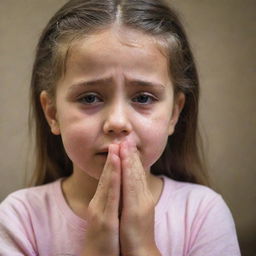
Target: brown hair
77	18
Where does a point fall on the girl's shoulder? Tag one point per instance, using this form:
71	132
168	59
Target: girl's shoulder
175	188
23	210
30	197
199	217
188	197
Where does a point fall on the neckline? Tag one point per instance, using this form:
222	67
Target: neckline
72	219
81	224
160	207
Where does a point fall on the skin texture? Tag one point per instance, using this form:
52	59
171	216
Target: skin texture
116	97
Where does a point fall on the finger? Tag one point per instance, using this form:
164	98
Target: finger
133	174
111	166
113	192
132	163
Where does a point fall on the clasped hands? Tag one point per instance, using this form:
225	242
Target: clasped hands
121	213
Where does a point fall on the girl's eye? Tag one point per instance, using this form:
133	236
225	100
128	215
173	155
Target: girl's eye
90	98
144	99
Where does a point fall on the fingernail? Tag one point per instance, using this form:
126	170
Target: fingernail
110	148
113	149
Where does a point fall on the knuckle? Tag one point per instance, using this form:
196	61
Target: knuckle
106	225
100	220
112	197
93	212
142	213
92	205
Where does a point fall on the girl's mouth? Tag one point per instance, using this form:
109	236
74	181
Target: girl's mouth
103	153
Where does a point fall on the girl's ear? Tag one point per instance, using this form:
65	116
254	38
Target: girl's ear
50	112
178	105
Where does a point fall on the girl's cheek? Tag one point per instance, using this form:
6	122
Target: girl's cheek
152	133
75	140
154	148
151	156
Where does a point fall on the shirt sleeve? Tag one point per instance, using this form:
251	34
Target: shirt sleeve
214	231
15	229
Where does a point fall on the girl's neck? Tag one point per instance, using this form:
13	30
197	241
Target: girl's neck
78	190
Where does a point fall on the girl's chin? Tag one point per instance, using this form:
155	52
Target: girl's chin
92	173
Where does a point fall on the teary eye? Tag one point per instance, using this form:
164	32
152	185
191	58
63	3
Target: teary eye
90	98
144	98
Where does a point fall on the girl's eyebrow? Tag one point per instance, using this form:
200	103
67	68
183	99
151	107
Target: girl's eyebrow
138	82
93	82
107	81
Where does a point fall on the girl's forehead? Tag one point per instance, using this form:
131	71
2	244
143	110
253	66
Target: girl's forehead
125	48
116	36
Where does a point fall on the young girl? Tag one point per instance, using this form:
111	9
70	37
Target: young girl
114	96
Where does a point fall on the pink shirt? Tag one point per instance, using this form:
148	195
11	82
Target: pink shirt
190	220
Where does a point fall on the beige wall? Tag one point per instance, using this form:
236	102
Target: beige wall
222	34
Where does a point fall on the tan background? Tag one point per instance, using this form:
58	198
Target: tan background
222	34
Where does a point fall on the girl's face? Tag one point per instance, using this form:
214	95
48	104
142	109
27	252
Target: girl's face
116	87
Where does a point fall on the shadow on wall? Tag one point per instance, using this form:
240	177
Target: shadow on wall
247	243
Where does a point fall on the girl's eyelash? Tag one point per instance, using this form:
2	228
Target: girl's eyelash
144	98
90	98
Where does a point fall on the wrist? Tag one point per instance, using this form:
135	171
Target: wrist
152	251
93	253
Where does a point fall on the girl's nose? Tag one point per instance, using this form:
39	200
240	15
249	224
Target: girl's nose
117	121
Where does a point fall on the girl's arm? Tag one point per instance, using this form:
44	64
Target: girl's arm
102	234
137	209
137	216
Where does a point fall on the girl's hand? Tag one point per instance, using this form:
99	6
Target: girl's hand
137	217
102	235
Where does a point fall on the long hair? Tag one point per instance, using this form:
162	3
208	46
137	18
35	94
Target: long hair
181	158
